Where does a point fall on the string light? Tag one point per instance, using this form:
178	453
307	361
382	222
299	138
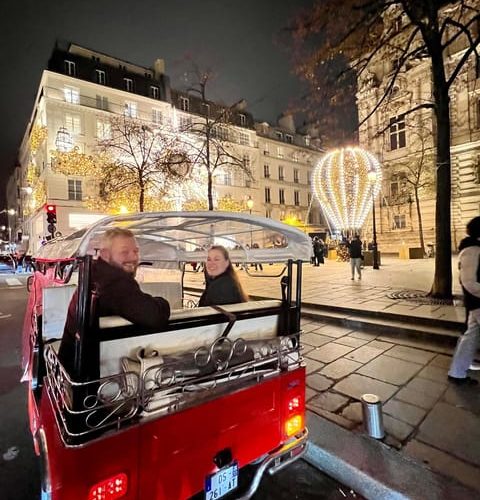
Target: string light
341	185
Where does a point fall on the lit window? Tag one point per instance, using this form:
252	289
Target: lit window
296	197
281	196
266	171
130	109
104	129
184	104
267	195
72	95
280	152
154	91
397	132
101	76
266	150
74	190
157	116
70	68
281	174
128	82
227	178
295	175
243	120
73	123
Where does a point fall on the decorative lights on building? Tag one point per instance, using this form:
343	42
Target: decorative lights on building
344	188
63	141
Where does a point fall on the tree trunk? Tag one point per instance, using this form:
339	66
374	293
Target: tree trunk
420	223
141	201
210	190
442	281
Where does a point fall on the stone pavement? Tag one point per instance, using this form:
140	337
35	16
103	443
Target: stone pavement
330	285
424	416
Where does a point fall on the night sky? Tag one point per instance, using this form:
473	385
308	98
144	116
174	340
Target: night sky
238	39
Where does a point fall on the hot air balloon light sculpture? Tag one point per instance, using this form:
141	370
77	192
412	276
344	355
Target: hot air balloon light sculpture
343	187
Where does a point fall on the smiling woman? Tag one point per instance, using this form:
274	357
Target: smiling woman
222	283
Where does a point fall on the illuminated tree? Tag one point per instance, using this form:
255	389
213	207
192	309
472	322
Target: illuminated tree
403	32
209	138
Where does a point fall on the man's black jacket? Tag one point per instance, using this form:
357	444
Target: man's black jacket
118	294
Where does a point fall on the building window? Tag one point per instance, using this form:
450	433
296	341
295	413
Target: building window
154	92
243	120
266	150
280	152
128	82
289	138
244	139
104	129
399	222
130	109
295	157
296	197
295	175
397	185
72	95
220	132
157	117
185	122
309	178
74	190
73	124
307	140
184	104
227	178
397	132
246	161
281	196
281	174
279	135
102	102
266	171
70	68
267	195
206	108
101	77
268	213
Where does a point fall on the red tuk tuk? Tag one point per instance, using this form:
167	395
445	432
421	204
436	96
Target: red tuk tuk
201	409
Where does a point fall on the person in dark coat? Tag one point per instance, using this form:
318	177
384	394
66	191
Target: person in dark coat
222	284
355	252
318	250
117	291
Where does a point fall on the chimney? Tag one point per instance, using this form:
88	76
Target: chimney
287	122
158	68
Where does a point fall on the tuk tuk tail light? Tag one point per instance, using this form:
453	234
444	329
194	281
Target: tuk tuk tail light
109	489
294	425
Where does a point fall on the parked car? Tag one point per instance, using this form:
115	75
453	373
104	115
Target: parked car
202	409
7	263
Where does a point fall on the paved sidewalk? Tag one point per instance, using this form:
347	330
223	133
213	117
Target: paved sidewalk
330	285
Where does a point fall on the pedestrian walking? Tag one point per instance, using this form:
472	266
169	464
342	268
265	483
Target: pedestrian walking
318	248
355	253
469	265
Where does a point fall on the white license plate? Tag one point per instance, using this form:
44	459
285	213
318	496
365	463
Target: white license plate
222	482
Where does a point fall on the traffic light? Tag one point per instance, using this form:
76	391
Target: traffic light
51	218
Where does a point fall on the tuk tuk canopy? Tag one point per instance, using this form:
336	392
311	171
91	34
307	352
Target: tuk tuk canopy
174	237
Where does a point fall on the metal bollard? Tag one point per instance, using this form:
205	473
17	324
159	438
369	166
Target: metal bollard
372	415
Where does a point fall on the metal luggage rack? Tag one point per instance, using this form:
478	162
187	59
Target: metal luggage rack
165	387
82	409
181	381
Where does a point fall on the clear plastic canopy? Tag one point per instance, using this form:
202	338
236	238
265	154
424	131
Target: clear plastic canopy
186	237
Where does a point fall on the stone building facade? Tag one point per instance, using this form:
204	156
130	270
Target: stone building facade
82	89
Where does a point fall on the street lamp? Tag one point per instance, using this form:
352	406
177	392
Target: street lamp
372	178
250	206
9	211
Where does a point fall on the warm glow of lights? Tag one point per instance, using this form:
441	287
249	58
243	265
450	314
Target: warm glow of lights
294	425
344	182
123	209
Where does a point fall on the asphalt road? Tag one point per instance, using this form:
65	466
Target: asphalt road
19	475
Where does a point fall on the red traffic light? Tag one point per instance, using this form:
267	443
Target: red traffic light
51	208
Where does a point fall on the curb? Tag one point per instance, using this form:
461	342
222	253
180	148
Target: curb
373	469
